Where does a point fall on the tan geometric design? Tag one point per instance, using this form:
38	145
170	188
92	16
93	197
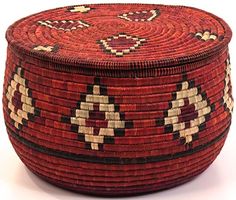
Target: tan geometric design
187	126
64	25
227	98
206	35
82	9
19	102
121	44
140	16
95	136
45	48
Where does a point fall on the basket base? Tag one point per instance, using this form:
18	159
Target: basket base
115	191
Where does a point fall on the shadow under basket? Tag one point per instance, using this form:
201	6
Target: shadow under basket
118	99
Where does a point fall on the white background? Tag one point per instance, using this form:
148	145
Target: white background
16	182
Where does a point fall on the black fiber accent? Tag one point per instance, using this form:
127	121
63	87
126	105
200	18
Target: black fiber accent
111	100
78	104
26	83
81	137
165	112
100	147
179	86
65	119
204	95
169	128
55	48
20	127
90	89
225	107
117	108
182	141
119	132
160	122
36	112
74	128
72	112
202	127
207	117
169	105
87	145
122	115
195	136
29	93
208	102
191	83
176	135
103	90
33	102
24	122
221	38
30	116
83	97
221	101
113	160
129	124
174	95
109	140
199	89
212	107
122	33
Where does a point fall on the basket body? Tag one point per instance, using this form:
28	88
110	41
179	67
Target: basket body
120	116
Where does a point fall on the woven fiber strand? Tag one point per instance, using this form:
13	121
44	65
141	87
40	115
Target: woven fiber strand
118	99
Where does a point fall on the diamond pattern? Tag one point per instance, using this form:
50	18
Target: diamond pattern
140	16
96	120
190	109
227	98
20	104
121	44
64	25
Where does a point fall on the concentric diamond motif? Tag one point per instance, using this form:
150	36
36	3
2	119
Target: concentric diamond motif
96	120
190	109
121	44
140	16
64	25
20	104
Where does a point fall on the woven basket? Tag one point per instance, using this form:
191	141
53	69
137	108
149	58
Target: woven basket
118	99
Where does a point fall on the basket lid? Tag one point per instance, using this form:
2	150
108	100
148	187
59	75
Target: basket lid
120	36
